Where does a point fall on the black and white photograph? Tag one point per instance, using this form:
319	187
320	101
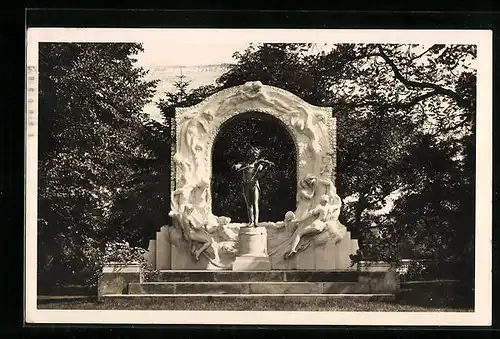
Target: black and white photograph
336	177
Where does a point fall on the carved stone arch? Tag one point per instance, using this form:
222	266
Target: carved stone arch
311	127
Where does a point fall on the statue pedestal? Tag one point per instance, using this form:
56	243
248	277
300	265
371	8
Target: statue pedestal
252	253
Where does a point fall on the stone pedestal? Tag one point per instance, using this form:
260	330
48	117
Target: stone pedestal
378	277
252	241
252	253
116	277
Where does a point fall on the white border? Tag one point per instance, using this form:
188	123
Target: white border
483	246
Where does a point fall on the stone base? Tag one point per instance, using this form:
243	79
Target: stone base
251	280
173	253
252	241
259	287
381	277
247	263
256	276
116	277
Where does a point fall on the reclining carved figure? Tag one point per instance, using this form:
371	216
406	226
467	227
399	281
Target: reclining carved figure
314	222
192	230
201	234
319	212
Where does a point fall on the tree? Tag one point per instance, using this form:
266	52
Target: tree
288	66
182	97
142	206
431	91
91	131
181	85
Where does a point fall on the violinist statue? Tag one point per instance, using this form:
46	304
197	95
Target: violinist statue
251	171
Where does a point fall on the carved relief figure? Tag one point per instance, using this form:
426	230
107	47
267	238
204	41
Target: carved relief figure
310	189
302	120
251	171
179	198
289	222
305	194
318	212
254	91
195	232
216	241
325	186
313	223
249	91
223	231
193	139
199	198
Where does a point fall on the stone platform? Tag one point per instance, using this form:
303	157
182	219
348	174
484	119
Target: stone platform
268	276
302	285
303	298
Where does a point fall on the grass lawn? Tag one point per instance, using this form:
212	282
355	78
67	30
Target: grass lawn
345	305
401	304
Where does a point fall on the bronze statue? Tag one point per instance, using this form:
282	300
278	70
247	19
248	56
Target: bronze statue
251	172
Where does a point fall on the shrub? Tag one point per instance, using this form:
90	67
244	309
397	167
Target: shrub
122	252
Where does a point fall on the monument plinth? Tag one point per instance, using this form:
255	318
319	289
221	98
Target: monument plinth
252	242
252	250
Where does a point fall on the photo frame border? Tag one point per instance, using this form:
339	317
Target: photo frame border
296	318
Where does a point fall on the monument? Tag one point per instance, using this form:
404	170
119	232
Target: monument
308	237
306	254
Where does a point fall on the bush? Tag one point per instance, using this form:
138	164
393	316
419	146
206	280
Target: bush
122	252
415	270
419	270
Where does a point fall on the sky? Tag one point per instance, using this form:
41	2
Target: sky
189	53
185	56
165	59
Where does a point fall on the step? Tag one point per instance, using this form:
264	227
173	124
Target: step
179	299
247	276
260	287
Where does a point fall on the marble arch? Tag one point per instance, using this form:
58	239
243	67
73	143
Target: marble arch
312	128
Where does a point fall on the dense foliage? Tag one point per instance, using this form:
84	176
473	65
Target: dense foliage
97	151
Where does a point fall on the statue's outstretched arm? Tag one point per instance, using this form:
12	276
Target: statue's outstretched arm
265	161
239	166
